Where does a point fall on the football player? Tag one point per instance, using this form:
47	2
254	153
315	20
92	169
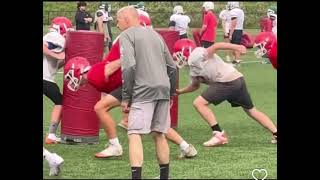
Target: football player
53	59
179	21
272	14
106	77
225	83
225	22
266	42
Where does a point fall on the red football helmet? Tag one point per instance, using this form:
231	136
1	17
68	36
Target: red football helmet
182	49
264	41
144	20
74	70
61	24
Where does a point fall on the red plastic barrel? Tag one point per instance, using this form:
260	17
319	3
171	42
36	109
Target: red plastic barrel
170	37
79	121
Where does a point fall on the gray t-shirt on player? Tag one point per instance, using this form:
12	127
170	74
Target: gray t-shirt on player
212	70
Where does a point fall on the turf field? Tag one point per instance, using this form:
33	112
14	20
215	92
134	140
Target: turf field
249	144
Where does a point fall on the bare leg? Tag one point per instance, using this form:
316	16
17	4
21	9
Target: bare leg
261	118
101	108
135	150
202	106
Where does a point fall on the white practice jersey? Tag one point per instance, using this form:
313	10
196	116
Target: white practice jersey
181	21
51	65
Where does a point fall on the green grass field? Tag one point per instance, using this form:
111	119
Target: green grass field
249	144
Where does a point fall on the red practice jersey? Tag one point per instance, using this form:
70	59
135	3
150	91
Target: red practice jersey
96	75
273	55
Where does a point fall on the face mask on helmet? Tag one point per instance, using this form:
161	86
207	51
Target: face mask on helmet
182	50
264	42
62	25
262	51
73	82
74	71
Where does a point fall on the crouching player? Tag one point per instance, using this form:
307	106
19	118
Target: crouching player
225	83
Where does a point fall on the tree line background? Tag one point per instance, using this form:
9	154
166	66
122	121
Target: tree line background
160	12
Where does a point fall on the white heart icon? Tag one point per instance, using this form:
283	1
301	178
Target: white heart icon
259	172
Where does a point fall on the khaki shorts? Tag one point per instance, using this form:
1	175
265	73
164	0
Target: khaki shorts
145	117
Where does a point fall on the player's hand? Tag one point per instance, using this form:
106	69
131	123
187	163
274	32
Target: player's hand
178	91
61	56
125	106
242	49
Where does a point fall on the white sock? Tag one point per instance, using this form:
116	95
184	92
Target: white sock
114	141
184	145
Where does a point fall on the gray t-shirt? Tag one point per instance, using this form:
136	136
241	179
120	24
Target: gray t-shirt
213	69
148	70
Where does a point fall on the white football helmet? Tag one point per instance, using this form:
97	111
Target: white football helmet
233	5
178	10
208	5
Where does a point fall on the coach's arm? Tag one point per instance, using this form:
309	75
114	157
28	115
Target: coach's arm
171	70
128	66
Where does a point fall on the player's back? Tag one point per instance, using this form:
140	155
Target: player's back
151	79
96	75
56	43
181	21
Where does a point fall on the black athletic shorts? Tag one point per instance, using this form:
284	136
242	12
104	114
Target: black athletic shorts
206	44
52	91
117	93
182	36
236	37
235	92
